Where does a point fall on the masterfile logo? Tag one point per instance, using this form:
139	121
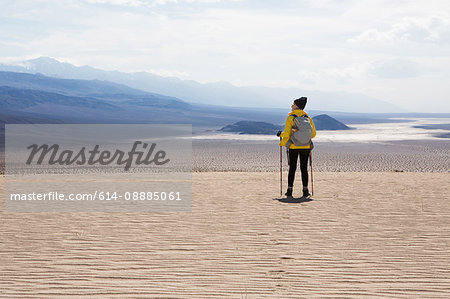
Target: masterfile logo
54	155
105	168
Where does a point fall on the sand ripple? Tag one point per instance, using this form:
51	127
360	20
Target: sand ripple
364	235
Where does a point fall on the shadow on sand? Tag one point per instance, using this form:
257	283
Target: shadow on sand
294	200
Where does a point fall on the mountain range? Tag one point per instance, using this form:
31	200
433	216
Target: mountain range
25	96
216	93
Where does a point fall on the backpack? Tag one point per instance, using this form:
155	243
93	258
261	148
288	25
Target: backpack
302	130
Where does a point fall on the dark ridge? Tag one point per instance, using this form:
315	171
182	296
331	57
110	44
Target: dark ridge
326	122
251	127
321	122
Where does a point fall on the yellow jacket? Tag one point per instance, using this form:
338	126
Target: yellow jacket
286	135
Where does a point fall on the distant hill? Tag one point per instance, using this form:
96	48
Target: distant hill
14	98
21	89
83	100
215	93
321	122
442	135
252	127
74	87
439	127
326	122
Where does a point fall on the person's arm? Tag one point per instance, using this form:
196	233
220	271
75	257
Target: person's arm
286	135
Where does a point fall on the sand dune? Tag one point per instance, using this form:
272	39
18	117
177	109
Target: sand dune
367	235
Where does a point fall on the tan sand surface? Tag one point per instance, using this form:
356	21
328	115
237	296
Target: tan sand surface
367	235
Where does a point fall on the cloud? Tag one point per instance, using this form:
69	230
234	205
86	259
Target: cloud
432	29
134	3
400	68
367	46
169	73
340	75
162	2
152	3
396	68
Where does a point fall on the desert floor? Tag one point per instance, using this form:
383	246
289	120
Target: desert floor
377	226
363	234
407	156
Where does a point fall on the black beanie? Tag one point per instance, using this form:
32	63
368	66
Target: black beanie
300	102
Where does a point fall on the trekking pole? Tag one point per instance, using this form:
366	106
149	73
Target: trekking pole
281	171
312	178
281	166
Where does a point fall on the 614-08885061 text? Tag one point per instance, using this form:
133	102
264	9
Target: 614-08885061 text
150	195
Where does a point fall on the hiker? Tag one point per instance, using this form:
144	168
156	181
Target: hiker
294	151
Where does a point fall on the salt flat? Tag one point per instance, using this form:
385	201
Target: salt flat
386	156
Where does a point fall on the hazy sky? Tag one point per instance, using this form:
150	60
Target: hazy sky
394	50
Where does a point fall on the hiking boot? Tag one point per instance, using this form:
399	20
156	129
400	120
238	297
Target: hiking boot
306	192
288	192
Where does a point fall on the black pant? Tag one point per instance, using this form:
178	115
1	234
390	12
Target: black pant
293	157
